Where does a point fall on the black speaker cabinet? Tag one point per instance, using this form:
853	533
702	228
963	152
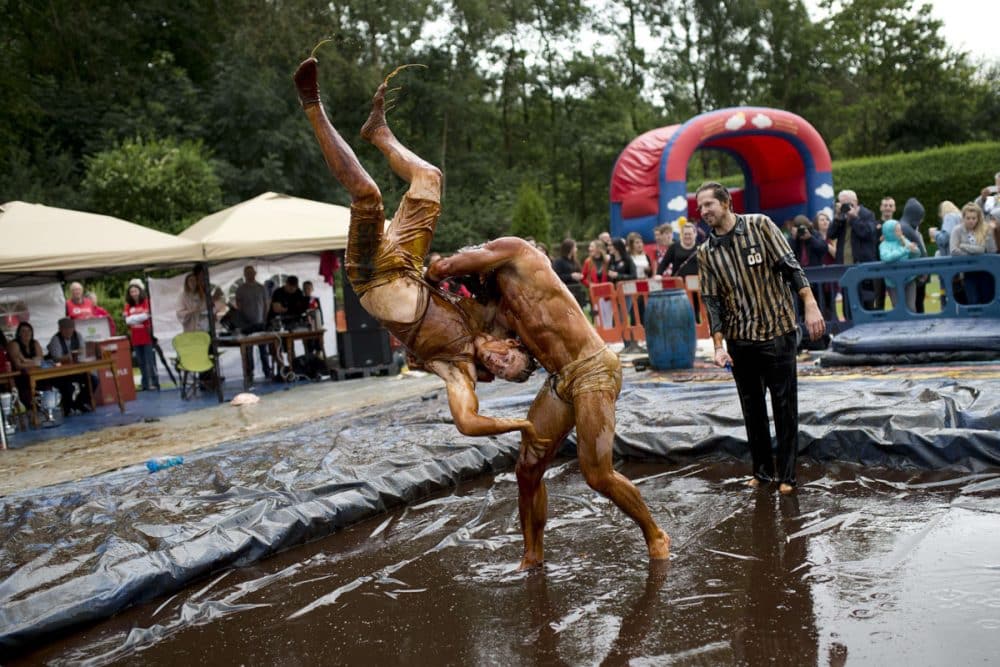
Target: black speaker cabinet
355	315
360	348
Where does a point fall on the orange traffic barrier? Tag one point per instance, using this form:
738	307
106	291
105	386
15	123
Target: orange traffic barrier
606	309
618	308
693	287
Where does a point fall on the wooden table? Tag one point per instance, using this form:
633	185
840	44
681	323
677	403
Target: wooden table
8	378
35	375
246	343
289	338
277	340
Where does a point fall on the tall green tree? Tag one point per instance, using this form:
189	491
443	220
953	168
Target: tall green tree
162	184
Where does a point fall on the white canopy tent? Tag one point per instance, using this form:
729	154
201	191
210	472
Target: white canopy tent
268	225
41	243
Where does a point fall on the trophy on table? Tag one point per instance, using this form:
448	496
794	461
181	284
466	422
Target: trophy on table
8	402
48	401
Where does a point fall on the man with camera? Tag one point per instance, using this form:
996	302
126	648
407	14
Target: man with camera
853	228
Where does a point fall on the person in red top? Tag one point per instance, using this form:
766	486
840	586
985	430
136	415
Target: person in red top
100	312
595	267
79	307
140	327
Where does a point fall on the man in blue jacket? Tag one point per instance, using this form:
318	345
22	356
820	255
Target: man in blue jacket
853	227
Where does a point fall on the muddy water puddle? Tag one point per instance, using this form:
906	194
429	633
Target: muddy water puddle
862	566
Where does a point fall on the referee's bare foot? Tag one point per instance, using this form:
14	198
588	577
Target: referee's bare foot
306	83
786	489
376	119
753	483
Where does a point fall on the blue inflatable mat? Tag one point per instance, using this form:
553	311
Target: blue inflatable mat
921	335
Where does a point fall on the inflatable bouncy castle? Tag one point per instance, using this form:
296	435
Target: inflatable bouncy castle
785	163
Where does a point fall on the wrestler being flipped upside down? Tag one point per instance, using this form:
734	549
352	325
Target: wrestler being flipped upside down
448	336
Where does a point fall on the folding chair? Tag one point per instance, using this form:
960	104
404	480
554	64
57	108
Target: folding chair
192	359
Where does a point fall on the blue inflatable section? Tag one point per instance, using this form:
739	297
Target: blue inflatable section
925	335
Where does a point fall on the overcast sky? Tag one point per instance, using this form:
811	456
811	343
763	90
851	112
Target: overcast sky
970	25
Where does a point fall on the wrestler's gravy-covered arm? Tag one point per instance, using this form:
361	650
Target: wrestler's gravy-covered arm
477	259
464	403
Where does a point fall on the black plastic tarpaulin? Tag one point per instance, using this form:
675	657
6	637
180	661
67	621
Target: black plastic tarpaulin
78	552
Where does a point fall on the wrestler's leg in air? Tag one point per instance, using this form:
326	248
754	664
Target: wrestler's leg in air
595	434
423	177
367	215
553	419
338	154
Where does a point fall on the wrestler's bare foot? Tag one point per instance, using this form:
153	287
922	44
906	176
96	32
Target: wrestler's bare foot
376	119
753	483
786	489
659	547
306	83
528	563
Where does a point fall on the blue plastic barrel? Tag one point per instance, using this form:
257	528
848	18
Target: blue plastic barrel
670	333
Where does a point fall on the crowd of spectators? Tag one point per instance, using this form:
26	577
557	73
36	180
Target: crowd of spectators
850	233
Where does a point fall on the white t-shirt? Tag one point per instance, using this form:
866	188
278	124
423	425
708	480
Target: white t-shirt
641	262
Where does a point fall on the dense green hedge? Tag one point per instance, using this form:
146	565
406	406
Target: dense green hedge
956	173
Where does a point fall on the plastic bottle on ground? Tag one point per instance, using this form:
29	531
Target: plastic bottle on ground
161	462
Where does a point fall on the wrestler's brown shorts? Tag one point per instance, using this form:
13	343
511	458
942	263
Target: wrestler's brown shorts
376	257
601	371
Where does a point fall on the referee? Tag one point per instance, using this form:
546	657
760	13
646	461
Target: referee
743	268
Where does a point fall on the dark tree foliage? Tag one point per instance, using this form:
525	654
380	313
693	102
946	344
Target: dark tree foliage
546	92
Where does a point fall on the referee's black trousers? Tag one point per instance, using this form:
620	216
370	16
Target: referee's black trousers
769	365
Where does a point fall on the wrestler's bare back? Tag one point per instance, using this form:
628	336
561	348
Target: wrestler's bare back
539	307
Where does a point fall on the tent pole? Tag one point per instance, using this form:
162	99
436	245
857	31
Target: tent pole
152	331
210	306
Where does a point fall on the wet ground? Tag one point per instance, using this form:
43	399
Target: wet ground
865	566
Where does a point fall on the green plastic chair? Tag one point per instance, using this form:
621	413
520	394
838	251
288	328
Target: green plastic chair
192	358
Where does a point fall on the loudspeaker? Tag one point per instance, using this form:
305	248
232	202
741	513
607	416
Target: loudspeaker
355	314
363	348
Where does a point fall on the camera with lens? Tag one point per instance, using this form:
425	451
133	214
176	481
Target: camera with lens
802	231
845	208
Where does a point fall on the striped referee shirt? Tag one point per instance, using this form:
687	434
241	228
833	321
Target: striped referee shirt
747	270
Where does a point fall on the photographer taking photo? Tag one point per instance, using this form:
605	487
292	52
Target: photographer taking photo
809	247
853	229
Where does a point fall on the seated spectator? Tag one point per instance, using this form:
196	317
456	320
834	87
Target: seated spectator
950	216
78	306
896	247
288	305
809	247
66	343
680	259
26	352
192	312
973	237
